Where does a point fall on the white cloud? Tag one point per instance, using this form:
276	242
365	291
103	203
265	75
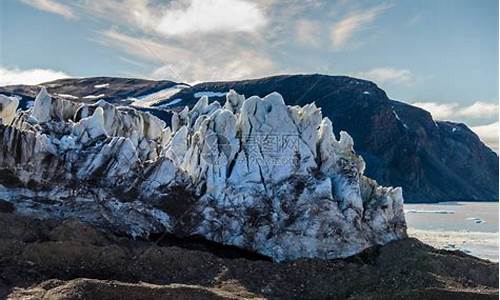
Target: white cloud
439	111
179	17
143	47
488	134
343	30
234	68
168	34
32	76
382	75
193	60
453	111
306	32
479	110
212	16
52	6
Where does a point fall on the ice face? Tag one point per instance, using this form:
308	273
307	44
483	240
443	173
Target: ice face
8	107
254	173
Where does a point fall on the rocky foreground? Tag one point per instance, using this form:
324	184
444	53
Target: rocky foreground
72	260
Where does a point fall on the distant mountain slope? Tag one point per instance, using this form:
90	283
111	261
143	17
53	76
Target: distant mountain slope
119	91
402	144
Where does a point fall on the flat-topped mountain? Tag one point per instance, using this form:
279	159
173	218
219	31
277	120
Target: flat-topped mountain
401	144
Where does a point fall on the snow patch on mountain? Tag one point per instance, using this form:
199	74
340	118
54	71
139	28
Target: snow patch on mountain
399	119
67	96
169	104
94	97
209	94
153	98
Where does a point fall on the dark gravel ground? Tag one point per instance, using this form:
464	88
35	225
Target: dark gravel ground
71	260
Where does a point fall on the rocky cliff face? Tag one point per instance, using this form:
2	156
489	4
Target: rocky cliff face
402	145
253	173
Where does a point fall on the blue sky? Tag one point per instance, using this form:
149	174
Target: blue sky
438	54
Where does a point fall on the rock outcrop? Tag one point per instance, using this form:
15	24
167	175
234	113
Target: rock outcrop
253	173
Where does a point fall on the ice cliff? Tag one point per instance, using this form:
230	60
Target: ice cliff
253	173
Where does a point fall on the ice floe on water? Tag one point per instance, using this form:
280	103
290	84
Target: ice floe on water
471	228
476	220
429	211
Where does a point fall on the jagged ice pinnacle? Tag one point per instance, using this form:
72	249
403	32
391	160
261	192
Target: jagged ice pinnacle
253	173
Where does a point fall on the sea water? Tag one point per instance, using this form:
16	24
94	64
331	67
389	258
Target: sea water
471	227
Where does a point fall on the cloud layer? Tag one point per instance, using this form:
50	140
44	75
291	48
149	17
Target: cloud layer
488	134
478	112
197	40
32	76
343	30
454	111
386	74
227	60
52	6
205	16
306	32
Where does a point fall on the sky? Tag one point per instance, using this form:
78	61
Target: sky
441	55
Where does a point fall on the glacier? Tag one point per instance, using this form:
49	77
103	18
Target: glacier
251	172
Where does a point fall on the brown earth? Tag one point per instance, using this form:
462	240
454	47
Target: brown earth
71	260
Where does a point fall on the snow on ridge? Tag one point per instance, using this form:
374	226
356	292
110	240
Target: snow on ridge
169	104
67	96
399	119
153	98
92	97
101	86
209	94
